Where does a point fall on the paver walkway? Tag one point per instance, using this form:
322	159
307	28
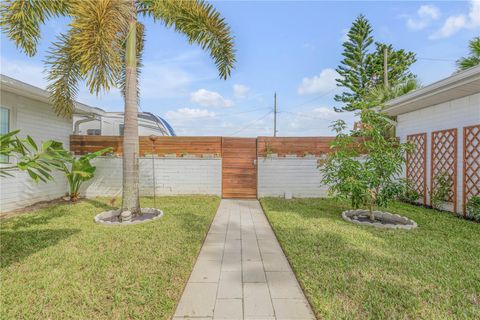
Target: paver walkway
241	272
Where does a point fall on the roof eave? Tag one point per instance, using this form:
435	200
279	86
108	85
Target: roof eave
420	97
24	89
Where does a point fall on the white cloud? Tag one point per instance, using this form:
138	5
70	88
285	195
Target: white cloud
474	13
425	15
159	81
322	83
429	11
188	114
30	73
314	122
455	23
240	91
210	99
324	113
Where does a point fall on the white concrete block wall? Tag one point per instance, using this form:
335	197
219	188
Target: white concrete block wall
173	176
34	118
457	113
300	176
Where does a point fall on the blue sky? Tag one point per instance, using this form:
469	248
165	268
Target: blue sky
288	47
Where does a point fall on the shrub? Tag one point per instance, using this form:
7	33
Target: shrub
473	208
441	193
407	192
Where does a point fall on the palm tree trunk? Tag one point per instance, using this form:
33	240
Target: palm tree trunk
130	199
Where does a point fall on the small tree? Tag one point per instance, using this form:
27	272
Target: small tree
365	164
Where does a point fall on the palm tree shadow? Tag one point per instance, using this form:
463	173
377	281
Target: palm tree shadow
100	204
39	218
43	216
17	245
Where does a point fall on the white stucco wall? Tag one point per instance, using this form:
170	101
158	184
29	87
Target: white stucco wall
173	176
457	113
34	118
300	176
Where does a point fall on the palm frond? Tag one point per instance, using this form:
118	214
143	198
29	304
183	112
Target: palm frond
96	45
379	95
63	76
140	32
21	20
474	58
202	25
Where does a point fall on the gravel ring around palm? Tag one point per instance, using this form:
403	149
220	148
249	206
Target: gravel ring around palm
110	217
388	220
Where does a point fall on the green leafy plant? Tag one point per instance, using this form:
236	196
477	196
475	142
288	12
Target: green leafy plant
441	193
26	155
79	170
364	165
267	150
473	208
407	192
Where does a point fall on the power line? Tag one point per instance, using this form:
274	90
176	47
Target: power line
304	115
436	59
314	99
242	112
251	123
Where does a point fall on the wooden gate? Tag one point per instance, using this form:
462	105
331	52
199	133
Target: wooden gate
239	167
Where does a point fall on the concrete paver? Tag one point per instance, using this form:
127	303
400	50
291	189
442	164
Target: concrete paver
242	272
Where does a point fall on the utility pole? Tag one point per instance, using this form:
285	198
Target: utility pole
385	67
275	114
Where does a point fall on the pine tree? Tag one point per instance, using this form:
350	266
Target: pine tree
353	71
399	62
361	71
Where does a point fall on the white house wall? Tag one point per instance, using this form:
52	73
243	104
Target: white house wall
173	176
34	118
457	113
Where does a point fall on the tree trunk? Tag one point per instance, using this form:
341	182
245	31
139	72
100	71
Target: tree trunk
130	199
371	214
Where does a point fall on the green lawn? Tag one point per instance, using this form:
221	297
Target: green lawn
56	263
350	271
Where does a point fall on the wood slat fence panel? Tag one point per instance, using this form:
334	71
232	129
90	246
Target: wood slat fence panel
294	145
239	168
158	145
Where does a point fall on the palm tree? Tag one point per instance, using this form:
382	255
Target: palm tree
103	46
474	58
381	94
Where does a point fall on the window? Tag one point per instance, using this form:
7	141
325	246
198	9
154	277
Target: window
121	128
94	132
4	127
